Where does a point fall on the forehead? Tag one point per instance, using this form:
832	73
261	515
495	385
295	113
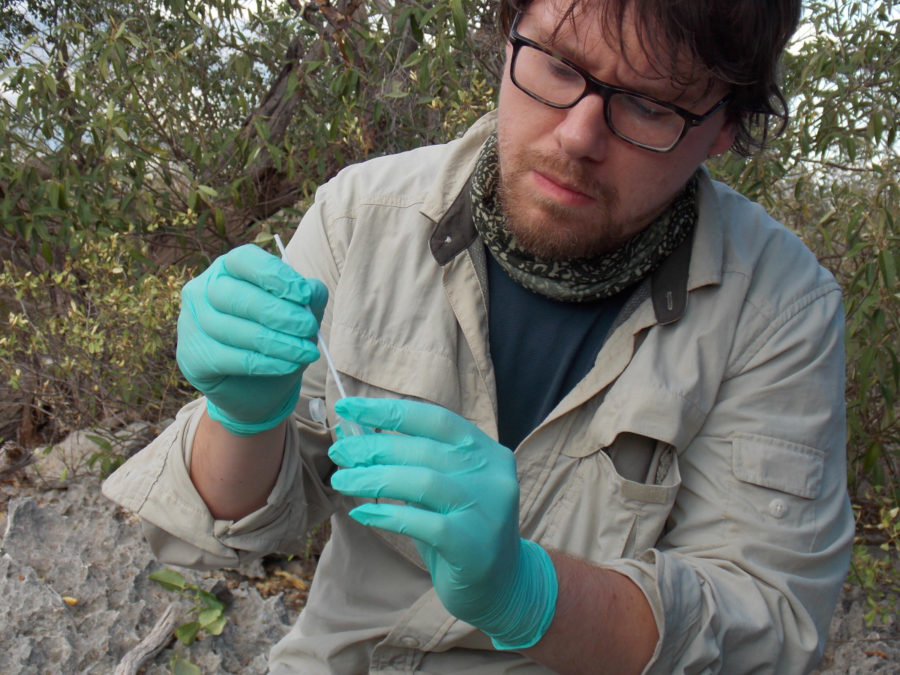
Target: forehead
604	42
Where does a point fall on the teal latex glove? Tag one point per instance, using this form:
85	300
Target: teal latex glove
246	331
462	510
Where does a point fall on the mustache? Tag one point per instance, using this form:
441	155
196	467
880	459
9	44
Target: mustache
575	175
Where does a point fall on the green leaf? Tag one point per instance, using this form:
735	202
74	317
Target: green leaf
219	220
118	131
887	263
413	60
187	633
41	228
210	600
877	125
872	456
104	444
208	616
168	579
216	627
460	23
28	43
292	83
416	29
53	194
428	16
264	239
181	666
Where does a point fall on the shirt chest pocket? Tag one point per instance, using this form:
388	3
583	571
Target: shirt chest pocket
598	514
617	475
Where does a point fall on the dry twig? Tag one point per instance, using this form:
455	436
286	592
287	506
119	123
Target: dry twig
158	637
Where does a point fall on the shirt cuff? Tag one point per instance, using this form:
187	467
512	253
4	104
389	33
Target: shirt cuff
673	591
155	484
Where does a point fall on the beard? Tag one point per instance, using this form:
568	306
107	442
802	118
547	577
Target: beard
544	227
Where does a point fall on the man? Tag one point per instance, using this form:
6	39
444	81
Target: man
564	281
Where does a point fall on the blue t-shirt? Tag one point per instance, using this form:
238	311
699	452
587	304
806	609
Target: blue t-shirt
541	348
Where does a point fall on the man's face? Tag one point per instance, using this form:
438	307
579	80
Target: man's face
571	188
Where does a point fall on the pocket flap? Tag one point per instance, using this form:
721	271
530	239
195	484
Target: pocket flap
777	464
645	411
390	367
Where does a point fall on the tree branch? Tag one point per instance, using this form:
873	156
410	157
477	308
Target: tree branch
271	190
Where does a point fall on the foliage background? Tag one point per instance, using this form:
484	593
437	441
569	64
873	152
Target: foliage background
140	140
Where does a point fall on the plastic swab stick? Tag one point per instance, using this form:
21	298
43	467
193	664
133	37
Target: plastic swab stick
322	344
346	426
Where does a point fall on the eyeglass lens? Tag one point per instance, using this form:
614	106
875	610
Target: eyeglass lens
634	118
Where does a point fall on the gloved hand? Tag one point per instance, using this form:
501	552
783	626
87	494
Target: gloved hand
246	331
462	511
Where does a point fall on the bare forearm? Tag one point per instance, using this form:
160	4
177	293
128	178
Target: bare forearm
235	474
603	623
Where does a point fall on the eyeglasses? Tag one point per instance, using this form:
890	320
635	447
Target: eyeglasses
632	116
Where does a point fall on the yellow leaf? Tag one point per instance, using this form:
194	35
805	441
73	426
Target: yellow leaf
293	580
70	601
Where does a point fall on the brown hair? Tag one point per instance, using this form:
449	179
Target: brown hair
738	42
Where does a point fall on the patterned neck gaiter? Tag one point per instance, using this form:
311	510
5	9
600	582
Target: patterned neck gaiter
581	279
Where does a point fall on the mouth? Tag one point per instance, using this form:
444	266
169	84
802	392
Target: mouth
561	191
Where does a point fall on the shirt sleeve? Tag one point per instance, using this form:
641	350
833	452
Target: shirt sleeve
746	576
155	485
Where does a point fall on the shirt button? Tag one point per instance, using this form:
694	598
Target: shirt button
408	641
778	508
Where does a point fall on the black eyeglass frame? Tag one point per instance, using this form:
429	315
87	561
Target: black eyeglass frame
594	86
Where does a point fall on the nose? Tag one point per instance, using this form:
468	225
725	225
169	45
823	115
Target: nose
583	132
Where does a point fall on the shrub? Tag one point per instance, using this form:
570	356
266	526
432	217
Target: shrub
89	340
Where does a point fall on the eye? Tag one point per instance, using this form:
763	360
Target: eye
641	107
559	70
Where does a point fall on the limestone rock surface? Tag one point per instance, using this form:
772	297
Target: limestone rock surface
75	594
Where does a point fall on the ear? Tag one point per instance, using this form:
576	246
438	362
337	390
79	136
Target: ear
723	140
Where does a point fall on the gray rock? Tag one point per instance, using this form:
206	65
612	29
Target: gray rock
854	647
74	544
38	633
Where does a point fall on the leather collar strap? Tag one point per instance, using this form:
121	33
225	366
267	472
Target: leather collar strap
455	231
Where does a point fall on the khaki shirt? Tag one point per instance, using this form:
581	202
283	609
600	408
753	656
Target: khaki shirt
703	455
